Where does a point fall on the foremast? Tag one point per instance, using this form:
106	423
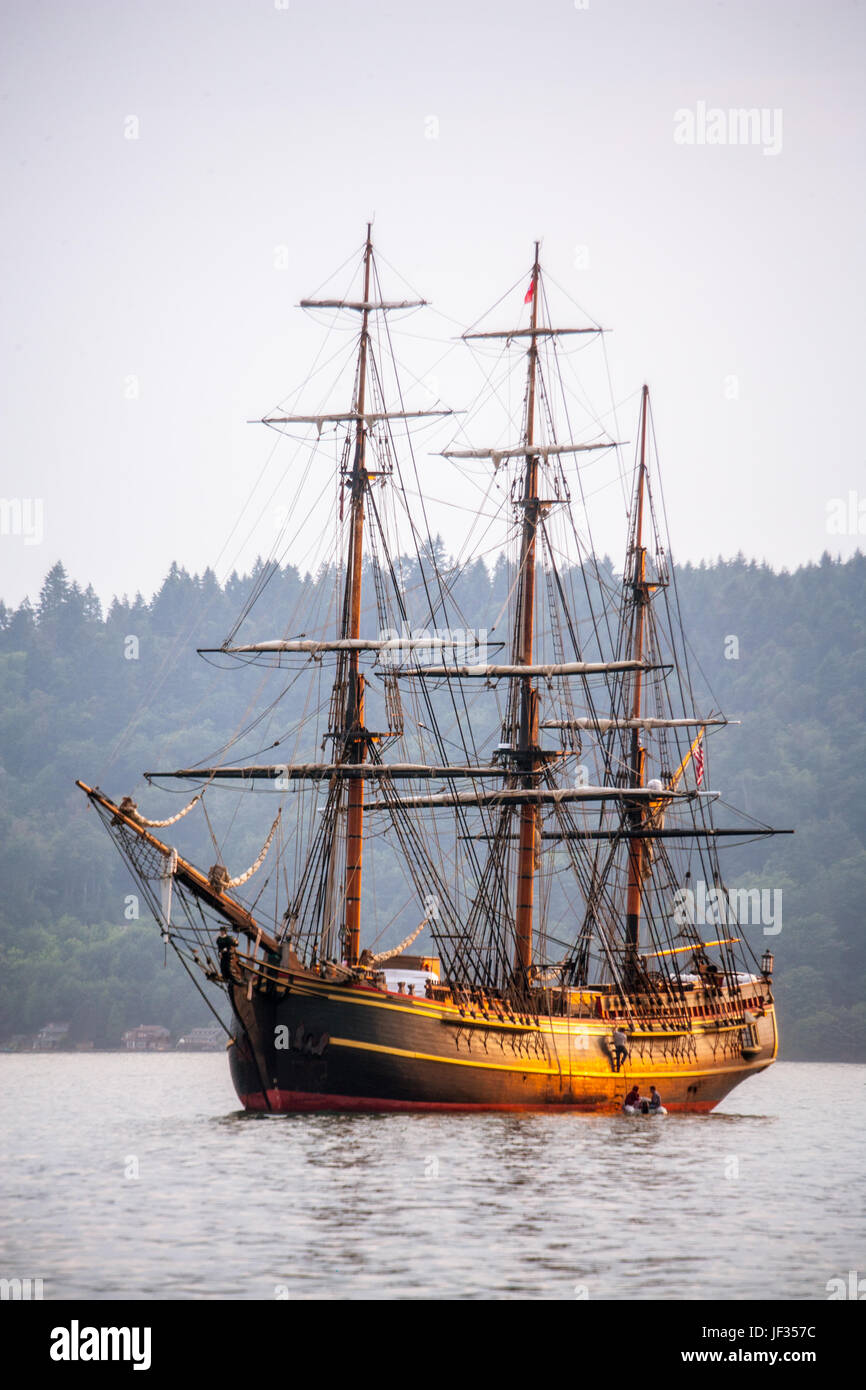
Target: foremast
528	760
640	596
355	736
352	739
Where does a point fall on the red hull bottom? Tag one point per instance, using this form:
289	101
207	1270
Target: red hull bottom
293	1102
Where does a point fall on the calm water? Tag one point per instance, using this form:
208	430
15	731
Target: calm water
760	1199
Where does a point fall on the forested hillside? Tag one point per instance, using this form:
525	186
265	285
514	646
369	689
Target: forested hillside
105	696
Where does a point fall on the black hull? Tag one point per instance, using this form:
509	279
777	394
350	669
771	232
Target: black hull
332	1047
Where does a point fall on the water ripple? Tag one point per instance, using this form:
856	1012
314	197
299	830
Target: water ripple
138	1177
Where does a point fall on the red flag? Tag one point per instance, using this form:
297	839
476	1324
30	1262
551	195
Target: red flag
527	298
699	763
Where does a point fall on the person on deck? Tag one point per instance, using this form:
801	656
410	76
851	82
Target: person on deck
620	1046
655	1100
226	944
632	1099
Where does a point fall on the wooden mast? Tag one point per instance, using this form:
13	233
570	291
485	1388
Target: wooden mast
355	743
528	731
636	846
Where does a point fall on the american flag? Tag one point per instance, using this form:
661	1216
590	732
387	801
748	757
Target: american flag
699	762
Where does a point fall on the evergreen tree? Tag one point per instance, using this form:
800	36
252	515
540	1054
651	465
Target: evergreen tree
54	594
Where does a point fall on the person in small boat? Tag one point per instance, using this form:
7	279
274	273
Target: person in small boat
620	1046
655	1100
633	1099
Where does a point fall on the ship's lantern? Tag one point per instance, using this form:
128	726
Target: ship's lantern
767	964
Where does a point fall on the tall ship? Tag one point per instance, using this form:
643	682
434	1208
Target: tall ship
494	867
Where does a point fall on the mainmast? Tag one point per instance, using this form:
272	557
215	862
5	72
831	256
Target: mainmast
528	728
640	590
355	745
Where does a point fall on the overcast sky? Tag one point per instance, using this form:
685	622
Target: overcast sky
158	156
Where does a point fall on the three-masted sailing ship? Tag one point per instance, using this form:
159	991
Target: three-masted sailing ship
545	802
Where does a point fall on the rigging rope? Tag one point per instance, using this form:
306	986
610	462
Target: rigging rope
396	950
219	875
129	808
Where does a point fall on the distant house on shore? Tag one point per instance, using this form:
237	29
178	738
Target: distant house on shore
147	1037
52	1036
202	1040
